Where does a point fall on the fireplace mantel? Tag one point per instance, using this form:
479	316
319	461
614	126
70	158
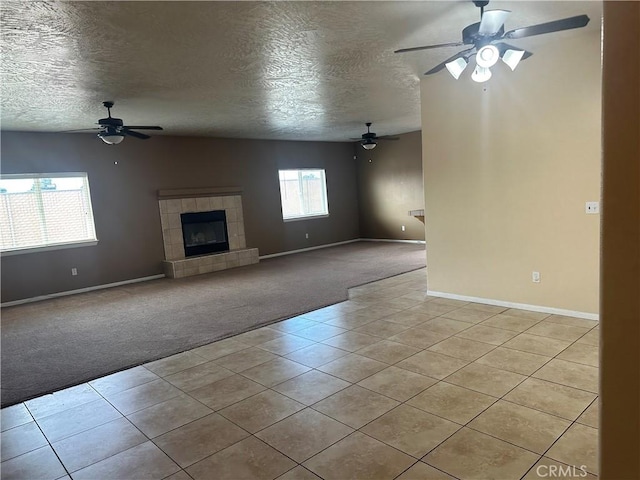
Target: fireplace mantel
173	203
198	192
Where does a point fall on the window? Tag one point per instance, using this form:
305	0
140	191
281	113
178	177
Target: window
303	193
45	210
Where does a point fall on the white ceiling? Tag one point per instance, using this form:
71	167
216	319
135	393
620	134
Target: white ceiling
310	70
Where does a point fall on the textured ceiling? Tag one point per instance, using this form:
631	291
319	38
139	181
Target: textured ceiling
308	70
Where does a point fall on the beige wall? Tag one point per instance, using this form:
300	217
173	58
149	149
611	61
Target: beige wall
389	185
620	267
508	166
125	204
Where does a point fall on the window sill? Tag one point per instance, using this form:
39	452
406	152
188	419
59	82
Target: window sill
59	246
308	217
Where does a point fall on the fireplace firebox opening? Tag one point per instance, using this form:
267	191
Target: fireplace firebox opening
204	232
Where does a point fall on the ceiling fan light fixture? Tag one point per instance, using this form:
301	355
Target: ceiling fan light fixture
487	56
481	74
456	67
368	144
111	138
512	57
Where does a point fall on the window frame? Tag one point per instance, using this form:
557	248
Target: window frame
54	245
300	172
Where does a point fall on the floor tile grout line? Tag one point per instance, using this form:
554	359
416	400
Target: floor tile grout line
411	455
495	400
49	445
436	415
558	439
557	338
128	388
572	343
555	357
266	443
507	393
595	400
66	468
472	361
153	440
503	399
532	377
422	461
546	413
80	431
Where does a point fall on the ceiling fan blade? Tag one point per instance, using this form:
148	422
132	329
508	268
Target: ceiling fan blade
139	135
492	21
143	127
549	27
387	137
82	130
503	47
427	47
463	54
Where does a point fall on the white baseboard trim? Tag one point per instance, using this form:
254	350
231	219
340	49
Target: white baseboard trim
291	252
421	242
80	290
521	306
300	250
155	277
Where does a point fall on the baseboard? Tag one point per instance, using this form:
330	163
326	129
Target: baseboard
300	250
521	306
79	290
421	242
155	277
291	252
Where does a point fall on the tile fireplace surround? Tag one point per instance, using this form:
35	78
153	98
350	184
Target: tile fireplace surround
192	200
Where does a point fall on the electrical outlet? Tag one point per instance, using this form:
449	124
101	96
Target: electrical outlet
403	229
306	235
535	277
74	271
592	208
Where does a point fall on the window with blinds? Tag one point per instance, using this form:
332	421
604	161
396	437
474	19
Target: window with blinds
45	210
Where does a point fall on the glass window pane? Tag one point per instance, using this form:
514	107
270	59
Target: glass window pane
42	210
303	193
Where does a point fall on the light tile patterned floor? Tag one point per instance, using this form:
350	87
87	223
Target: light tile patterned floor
389	384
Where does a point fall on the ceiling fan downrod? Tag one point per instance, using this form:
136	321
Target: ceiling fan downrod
108	106
481	4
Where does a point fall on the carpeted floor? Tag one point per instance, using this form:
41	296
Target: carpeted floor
61	342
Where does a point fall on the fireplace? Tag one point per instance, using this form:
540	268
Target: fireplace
204	232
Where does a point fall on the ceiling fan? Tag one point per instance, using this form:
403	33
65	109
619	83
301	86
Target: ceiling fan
112	130
369	139
485	38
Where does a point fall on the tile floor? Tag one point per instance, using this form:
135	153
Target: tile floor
389	384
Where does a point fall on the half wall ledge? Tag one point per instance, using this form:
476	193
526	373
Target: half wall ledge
419	214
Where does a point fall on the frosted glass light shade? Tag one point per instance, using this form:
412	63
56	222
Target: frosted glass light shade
487	56
456	67
481	74
512	58
111	139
